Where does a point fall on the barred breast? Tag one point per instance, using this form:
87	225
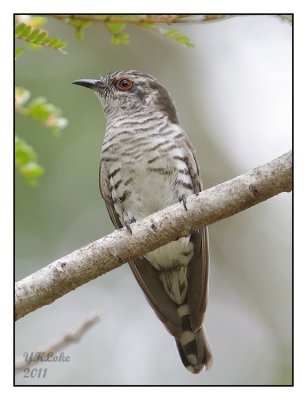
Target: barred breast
146	162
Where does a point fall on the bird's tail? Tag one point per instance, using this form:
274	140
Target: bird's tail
194	348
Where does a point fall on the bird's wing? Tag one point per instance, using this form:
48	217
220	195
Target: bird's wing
197	294
198	268
145	274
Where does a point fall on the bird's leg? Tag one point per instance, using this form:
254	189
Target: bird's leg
128	222
183	199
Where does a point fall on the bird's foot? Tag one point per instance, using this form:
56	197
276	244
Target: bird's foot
127	224
183	199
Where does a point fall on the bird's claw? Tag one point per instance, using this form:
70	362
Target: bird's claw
183	199
127	224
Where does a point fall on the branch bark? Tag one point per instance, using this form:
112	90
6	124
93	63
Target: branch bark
101	256
157	19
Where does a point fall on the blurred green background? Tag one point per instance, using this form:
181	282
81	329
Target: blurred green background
233	95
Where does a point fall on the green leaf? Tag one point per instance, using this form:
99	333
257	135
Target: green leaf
174	34
34	46
60	45
40	110
54	42
120	38
115	27
31	172
33	35
26	161
23	152
48	114
18	52
41	37
147	25
132	18
80	25
36	38
19	28
57	45
25	31
115	40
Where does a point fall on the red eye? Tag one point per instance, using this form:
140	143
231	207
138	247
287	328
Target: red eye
124	84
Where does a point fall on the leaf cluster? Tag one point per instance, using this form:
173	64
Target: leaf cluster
40	110
29	30
35	37
116	25
26	159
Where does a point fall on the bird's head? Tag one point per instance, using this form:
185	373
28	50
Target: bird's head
131	91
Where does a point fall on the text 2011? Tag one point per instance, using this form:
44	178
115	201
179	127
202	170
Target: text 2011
35	372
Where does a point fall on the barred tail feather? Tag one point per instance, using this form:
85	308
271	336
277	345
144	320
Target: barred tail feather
193	345
194	350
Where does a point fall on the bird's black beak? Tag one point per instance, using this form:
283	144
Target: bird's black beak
89	83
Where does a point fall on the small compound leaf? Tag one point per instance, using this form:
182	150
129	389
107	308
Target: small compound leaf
174	34
36	38
41	37
26	161
115	27
19	51
34	34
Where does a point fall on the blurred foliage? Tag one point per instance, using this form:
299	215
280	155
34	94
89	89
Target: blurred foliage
28	29
116	29
78	24
40	110
116	24
30	32
26	161
47	114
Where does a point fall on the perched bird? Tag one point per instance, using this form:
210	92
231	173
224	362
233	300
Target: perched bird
148	163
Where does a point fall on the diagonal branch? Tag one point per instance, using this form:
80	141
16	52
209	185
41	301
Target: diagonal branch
205	208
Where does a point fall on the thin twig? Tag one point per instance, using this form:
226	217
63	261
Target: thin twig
157	19
145	19
49	350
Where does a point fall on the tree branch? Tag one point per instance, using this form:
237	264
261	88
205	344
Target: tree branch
157	19
144	19
101	256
